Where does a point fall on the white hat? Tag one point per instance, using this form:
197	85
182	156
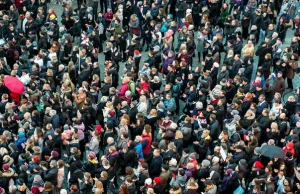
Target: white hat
148	181
216	65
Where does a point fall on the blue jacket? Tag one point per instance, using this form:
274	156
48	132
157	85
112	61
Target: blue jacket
139	150
19	142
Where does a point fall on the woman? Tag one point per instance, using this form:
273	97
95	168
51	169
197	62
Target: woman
281	29
291	69
143	105
200	42
178	141
94	142
267	66
48	188
86	185
60	173
37	184
191	186
248	119
273	133
98	187
190	44
167	61
276	108
134	25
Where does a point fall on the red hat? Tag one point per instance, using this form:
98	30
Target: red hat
92	155
157	180
98	128
258	164
137	52
5	167
35	158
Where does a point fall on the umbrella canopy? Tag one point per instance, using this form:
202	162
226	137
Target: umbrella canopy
272	151
14	84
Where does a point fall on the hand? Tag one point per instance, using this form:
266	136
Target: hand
79	180
268	130
49	137
196	142
28	172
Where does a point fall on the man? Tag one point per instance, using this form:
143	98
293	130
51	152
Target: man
279	83
224	74
79	98
237	155
264	123
55	119
201	146
214	130
180	9
4	101
237	64
179	179
144	174
51	173
208	63
156	163
262	104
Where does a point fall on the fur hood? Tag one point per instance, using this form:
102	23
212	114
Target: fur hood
176	192
192	187
9	173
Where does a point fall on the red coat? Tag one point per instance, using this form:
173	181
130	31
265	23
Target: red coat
122	90
35	190
146	149
14	96
143	86
108	17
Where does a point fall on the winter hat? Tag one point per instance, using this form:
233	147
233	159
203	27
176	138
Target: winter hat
5	167
242	70
215	159
216	65
235	112
199	105
289	154
157	180
54	154
92	155
98	128
137	52
257	150
21	134
148	181
188	11
23	167
36	158
206	163
237	117
165	167
186	150
243	162
173	162
37	178
258	164
161	105
20	181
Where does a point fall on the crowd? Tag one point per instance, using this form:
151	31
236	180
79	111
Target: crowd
191	97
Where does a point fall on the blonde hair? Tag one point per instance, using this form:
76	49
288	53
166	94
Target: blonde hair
178	134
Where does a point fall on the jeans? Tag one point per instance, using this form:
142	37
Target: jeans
262	35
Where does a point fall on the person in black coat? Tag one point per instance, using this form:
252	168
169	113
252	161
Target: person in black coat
156	164
76	164
51	173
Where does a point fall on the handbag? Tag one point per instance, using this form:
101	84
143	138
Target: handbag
239	190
